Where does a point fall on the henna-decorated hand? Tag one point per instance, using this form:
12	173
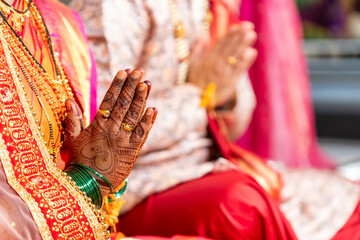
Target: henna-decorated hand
105	146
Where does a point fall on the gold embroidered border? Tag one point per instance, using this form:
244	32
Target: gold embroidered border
8	168
50	166
28	199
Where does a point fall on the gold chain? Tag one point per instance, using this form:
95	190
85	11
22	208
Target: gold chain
33	70
182	46
18	17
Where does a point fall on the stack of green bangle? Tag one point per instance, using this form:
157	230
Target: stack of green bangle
86	182
96	173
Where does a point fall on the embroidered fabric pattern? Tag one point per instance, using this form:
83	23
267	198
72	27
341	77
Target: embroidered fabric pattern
50	196
60	88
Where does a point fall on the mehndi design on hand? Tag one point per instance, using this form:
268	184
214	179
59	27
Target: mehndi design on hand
105	146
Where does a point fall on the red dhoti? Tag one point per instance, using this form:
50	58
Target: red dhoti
228	205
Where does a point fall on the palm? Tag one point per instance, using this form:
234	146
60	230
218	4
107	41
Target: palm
105	146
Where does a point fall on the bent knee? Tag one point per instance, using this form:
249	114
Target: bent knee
244	191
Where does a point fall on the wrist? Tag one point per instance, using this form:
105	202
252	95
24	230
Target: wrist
84	175
213	99
229	105
104	184
87	183
119	191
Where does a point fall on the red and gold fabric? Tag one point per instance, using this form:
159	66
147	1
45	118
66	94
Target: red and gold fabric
32	97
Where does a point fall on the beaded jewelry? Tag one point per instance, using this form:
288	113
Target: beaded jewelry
182	46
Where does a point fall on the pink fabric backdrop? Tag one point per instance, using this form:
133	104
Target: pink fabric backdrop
283	123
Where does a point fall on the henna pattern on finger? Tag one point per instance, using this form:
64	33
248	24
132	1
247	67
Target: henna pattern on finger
70	127
117	83
139	131
109	101
114	91
98	125
133	112
120	111
139	98
144	119
125	98
142	130
104	146
137	106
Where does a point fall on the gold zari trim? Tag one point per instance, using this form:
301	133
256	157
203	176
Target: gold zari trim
41	220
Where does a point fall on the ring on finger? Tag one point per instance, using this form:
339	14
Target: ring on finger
231	60
127	127
104	113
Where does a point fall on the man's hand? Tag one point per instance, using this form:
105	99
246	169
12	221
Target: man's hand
225	62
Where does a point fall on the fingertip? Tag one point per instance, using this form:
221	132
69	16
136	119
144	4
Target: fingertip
121	74
149	85
68	105
250	53
140	69
155	114
135	74
235	27
254	54
247	25
142	86
250	56
149	112
128	71
250	37
71	106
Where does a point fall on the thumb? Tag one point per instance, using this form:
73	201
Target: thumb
74	123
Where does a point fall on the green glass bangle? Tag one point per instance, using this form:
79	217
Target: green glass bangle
119	193
87	187
96	173
87	183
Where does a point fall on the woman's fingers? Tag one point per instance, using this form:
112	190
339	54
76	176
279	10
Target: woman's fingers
142	130
74	123
125	99
149	85
136	109
113	93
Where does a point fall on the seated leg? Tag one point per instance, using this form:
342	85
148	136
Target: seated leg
228	205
